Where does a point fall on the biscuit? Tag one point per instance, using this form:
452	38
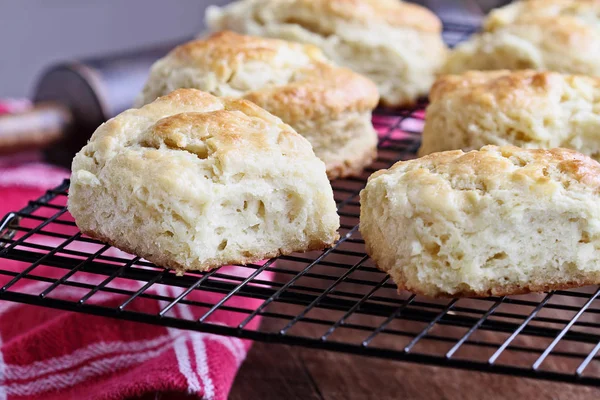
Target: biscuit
554	35
192	181
528	109
496	221
397	45
328	105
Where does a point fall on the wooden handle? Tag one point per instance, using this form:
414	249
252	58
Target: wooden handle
35	129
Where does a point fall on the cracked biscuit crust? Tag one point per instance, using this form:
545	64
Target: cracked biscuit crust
495	221
528	109
554	35
329	105
192	181
293	81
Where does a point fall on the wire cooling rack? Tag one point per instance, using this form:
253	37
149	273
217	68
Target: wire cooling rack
334	300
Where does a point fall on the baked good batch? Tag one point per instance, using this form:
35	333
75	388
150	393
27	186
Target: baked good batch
197	179
555	35
192	181
397	45
498	221
329	105
528	109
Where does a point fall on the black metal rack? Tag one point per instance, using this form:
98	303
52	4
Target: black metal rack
334	300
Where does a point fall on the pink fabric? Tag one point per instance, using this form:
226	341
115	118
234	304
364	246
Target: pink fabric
51	354
392	128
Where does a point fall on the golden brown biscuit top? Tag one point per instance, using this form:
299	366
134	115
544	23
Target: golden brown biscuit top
322	16
313	88
516	88
572	23
545	11
501	168
321	90
225	133
224	52
365	12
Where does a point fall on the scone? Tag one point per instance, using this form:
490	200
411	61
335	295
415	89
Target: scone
495	221
554	35
328	105
397	45
192	181
528	109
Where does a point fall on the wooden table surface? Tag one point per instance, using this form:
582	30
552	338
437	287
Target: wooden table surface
274	371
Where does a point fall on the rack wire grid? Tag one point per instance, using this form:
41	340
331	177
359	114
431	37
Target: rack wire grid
334	300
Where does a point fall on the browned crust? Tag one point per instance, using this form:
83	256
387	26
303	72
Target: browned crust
561	20
352	167
505	87
392	12
228	48
207	266
508	290
322	89
492	162
325	90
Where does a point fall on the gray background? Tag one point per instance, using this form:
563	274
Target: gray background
36	33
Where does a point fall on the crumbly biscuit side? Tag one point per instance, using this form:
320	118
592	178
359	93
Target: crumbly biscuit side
502	220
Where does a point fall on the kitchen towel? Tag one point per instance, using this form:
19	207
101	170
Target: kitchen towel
52	354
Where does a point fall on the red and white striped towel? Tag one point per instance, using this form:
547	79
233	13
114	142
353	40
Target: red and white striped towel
51	354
